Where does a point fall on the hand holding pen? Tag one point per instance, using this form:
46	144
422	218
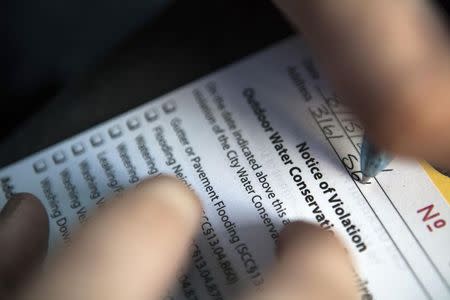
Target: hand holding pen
390	62
389	59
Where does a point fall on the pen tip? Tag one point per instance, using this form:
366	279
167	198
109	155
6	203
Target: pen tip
365	179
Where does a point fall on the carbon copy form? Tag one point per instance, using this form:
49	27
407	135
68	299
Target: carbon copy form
263	142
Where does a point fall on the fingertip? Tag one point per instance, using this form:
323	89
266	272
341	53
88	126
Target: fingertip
26	210
312	264
172	192
29	205
24	234
300	237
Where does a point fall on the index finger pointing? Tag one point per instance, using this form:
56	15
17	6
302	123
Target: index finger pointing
131	250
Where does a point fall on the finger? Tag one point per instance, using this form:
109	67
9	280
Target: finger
131	250
390	60
312	265
23	240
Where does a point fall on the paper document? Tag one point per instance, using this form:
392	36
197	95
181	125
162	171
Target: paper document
263	142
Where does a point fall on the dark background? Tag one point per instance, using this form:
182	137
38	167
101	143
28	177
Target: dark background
184	41
68	65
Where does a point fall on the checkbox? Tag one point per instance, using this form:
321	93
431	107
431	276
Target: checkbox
96	140
77	149
169	107
40	166
151	115
59	157
133	124
115	131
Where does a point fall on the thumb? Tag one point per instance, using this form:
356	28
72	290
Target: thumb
23	240
131	250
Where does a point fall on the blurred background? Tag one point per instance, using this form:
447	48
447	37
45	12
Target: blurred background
68	65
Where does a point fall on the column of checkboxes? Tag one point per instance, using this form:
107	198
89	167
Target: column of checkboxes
96	140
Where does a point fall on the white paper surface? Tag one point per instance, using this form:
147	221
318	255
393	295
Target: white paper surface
252	140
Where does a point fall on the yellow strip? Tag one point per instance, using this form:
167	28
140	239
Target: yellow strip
441	181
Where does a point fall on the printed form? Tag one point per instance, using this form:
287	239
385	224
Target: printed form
263	142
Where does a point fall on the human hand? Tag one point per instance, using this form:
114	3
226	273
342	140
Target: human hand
390	61
136	245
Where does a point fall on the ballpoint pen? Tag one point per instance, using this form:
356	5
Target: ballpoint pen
373	160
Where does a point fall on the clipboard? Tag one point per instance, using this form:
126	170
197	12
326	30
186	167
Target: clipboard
441	181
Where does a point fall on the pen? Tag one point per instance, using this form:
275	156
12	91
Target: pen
373	160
